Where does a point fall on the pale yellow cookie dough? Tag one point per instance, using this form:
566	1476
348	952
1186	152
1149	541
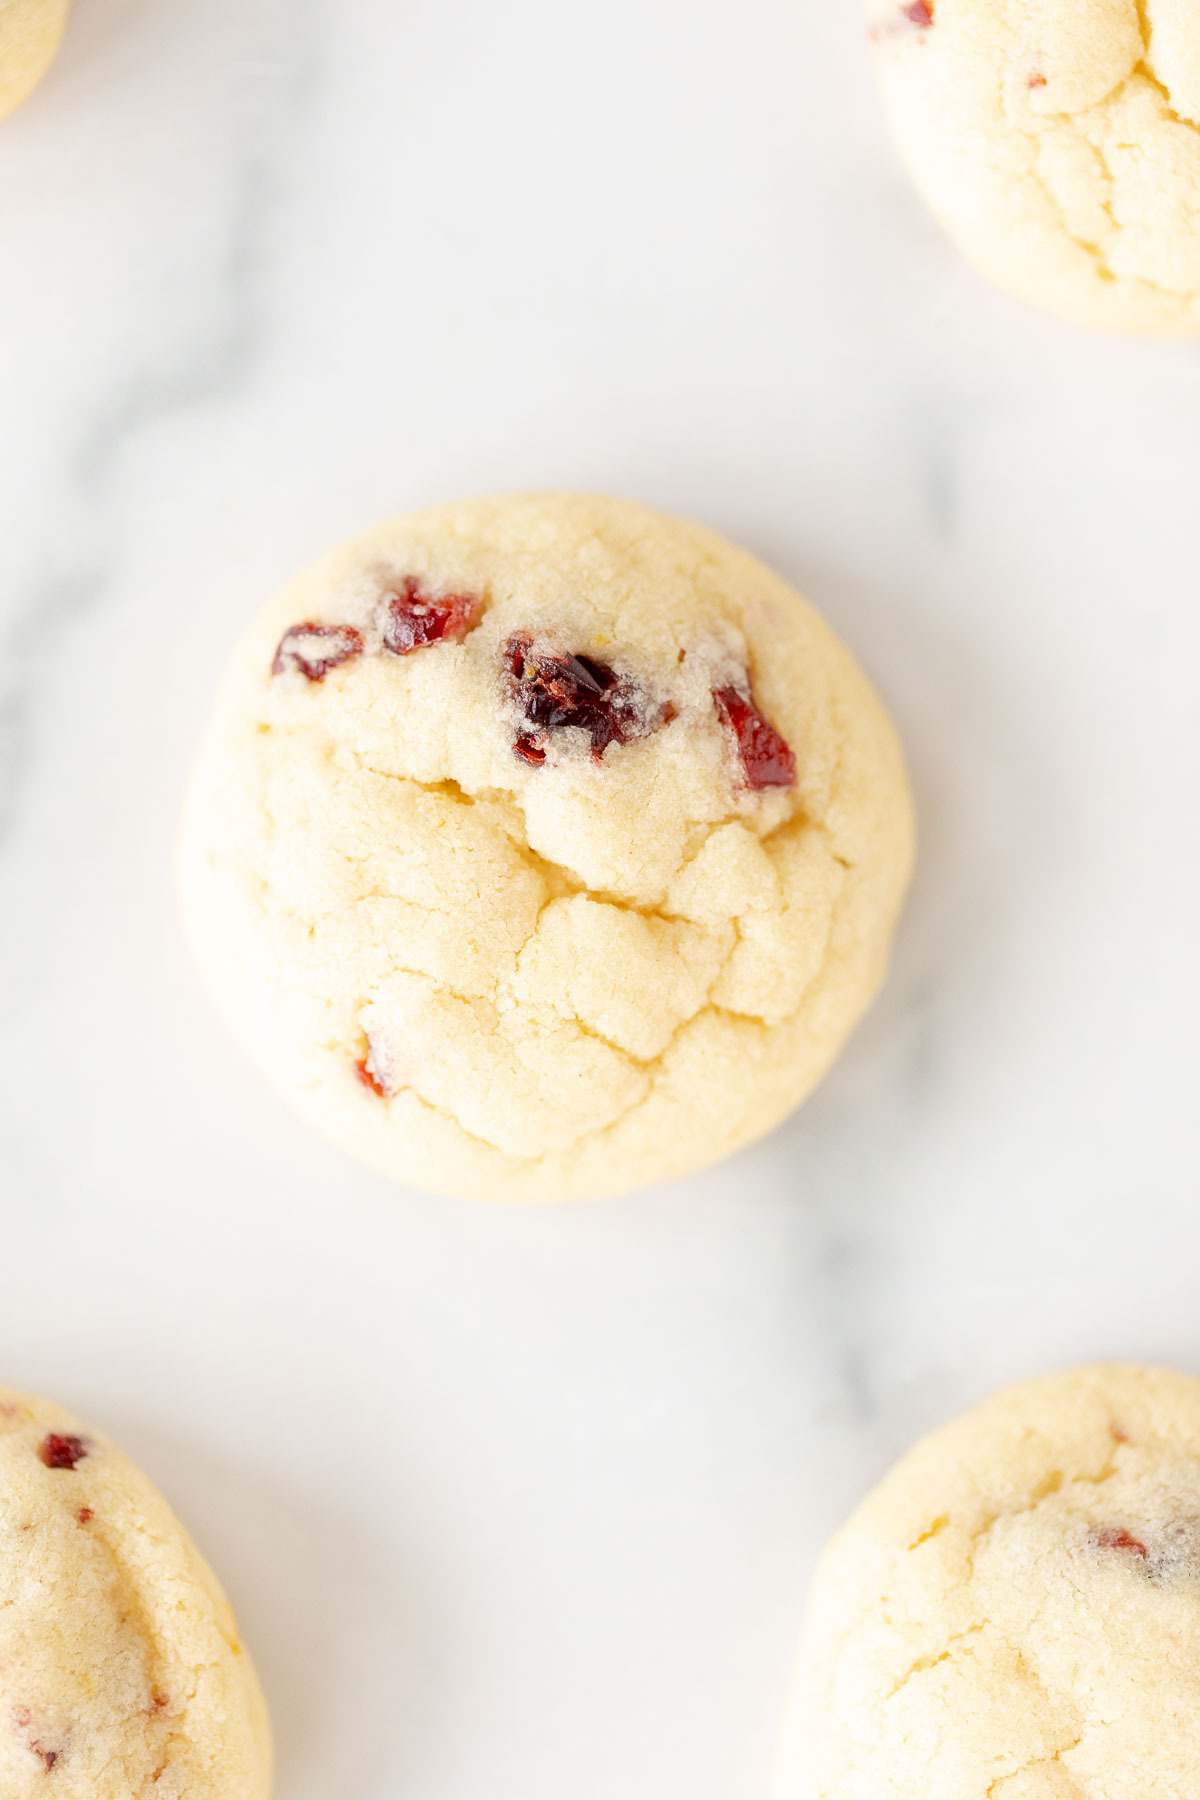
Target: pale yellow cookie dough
1014	1613
121	1673
30	33
1058	141
493	956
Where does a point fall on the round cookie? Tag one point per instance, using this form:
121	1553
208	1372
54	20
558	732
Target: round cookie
1058	141
544	846
1014	1613
121	1675
30	32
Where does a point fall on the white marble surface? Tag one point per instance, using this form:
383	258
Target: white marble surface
522	1504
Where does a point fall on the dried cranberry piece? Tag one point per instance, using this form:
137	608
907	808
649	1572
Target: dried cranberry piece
22	1718
557	691
85	1515
315	649
373	1071
363	1070
918	13
62	1452
766	759
529	749
1115	1537
415	618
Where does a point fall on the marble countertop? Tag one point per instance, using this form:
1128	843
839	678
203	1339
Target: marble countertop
523	1503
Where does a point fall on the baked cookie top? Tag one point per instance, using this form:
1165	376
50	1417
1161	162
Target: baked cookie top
121	1673
1014	1613
544	845
30	32
1059	142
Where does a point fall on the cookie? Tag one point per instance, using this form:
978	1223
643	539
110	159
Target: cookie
1058	141
30	32
544	846
121	1674
1014	1613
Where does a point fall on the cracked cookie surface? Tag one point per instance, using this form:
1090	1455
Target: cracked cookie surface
576	882
30	31
121	1674
1014	1613
1059	143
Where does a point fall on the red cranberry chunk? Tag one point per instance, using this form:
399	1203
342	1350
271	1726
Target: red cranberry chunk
62	1452
374	1070
49	1757
766	759
415	618
1115	1537
315	649
561	691
85	1515
529	749
369	1079
919	12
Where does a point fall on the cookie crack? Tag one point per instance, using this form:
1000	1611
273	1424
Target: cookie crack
1097	110
564	883
922	1663
1143	67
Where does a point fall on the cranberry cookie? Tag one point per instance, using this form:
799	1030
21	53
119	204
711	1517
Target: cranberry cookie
1058	141
30	31
1014	1613
544	846
121	1674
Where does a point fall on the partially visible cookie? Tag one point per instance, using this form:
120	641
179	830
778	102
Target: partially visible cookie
121	1673
1058	141
30	32
544	846
1014	1612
